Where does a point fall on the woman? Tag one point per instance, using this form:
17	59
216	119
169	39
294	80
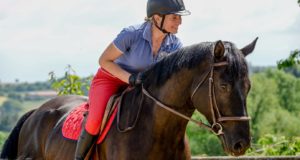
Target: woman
133	50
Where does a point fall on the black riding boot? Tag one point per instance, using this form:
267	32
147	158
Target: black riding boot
84	143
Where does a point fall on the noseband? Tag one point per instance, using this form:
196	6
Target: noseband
216	127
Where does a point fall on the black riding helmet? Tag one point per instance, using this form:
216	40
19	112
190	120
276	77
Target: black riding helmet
164	7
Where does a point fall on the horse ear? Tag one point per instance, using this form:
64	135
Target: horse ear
219	50
249	48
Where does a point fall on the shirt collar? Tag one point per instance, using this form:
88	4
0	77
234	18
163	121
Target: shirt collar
147	34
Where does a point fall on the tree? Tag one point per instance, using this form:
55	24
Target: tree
294	70
288	87
292	60
273	103
9	112
70	83
261	100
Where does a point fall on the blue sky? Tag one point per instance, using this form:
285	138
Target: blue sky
39	36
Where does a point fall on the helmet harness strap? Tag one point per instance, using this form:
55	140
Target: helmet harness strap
161	25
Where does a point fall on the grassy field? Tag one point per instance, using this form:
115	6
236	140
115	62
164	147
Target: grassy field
28	105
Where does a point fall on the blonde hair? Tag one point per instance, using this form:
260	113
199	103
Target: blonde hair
148	19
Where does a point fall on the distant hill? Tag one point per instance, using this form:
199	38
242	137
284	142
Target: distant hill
6	88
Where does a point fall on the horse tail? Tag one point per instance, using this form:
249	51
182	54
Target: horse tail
10	147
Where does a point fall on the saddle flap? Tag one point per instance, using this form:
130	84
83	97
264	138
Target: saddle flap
111	105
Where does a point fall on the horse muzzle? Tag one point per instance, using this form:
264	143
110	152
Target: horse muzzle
235	147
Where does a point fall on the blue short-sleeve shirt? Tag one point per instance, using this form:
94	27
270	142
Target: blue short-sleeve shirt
136	45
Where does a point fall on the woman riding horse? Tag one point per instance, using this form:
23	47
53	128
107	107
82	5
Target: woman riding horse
211	77
134	49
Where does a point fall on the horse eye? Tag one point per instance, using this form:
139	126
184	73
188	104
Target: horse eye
225	87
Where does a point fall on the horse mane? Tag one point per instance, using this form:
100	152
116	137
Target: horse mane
191	56
237	65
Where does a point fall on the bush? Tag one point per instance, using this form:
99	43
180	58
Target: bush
3	137
270	145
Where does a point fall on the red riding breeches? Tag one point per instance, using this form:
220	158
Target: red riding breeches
103	86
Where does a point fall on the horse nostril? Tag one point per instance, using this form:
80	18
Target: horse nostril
238	147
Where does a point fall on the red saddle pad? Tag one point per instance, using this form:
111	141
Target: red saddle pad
73	124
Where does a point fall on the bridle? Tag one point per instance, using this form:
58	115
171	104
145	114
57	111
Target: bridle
216	127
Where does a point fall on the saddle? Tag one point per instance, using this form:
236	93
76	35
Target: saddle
111	106
75	119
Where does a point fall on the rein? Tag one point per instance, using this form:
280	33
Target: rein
216	127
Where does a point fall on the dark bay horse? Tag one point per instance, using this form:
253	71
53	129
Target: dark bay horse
211	77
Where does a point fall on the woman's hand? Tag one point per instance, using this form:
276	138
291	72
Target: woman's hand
136	79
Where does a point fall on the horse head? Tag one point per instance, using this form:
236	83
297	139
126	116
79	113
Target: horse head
220	94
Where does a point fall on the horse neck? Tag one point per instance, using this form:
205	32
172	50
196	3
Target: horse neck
175	93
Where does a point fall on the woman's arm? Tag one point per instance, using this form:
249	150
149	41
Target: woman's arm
106	61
